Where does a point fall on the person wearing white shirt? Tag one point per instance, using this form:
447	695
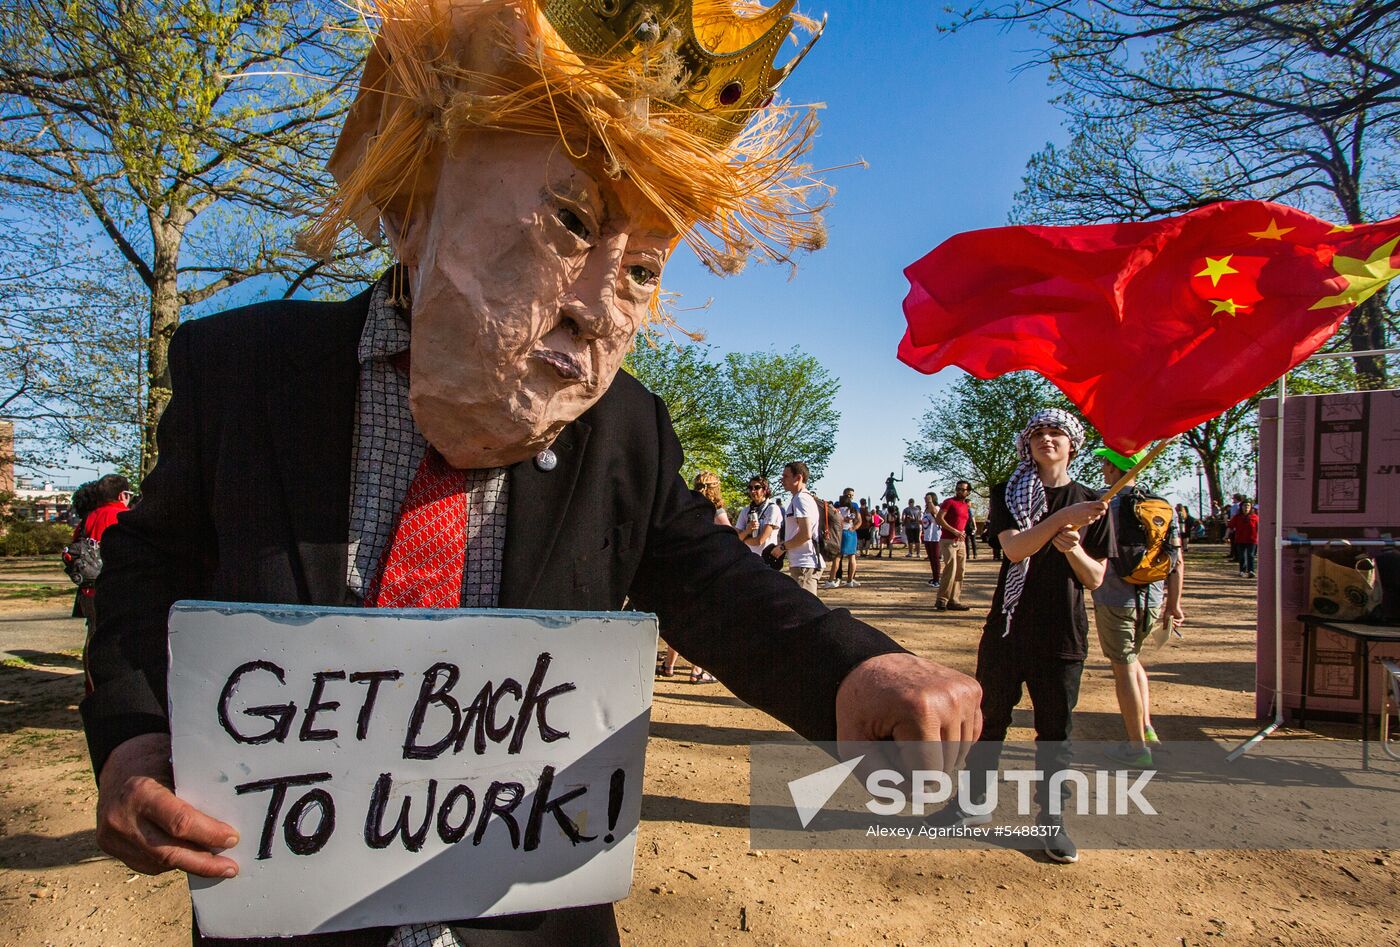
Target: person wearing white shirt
799	526
760	521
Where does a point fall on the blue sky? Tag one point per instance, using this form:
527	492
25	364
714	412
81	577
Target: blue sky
947	125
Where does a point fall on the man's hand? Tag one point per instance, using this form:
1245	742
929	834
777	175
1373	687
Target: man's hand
1066	539
1081	514
1177	616
141	822
907	698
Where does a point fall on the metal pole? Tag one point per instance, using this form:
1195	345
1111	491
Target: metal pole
1279	429
1277	722
1353	354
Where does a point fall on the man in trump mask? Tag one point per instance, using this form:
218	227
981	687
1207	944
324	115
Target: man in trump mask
459	435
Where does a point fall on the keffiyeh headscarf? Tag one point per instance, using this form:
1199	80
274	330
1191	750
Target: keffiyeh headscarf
1025	495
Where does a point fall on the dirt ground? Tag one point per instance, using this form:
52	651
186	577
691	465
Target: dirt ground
698	882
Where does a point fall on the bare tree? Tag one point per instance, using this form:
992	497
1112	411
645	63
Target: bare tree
71	339
189	132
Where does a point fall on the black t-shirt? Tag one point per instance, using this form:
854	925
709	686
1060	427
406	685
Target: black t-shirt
1050	621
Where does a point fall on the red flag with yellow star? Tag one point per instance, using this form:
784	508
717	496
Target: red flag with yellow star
1149	328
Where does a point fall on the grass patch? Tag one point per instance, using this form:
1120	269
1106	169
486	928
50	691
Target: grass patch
29	740
28	563
34	737
34	591
18	663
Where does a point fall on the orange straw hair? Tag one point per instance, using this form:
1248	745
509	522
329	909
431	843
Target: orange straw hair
441	68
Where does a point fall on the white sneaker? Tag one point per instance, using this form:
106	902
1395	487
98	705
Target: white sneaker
831	585
852	584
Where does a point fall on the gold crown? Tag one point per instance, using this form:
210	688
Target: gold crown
726	61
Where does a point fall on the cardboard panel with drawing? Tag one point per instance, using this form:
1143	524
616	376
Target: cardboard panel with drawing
1341	483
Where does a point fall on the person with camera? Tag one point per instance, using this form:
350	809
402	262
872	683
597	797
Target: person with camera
760	522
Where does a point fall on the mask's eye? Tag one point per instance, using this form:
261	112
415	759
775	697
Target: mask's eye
641	275
573	223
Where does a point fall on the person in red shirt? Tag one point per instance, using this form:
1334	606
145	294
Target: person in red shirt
1245	529
953	518
113	495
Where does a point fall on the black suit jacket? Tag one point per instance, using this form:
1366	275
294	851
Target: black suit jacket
250	503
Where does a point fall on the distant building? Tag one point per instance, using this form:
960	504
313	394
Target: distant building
40	501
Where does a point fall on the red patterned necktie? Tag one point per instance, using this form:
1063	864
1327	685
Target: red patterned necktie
424	562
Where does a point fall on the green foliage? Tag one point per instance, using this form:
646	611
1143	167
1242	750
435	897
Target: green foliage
969	433
782	408
1226	447
695	392
745	414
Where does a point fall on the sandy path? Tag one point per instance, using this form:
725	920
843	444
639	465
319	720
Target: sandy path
697	880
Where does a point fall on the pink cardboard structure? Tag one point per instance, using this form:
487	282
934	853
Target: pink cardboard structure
1341	481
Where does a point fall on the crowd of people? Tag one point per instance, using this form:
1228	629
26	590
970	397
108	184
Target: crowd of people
1057	539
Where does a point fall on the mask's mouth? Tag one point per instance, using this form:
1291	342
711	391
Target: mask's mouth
566	366
565	350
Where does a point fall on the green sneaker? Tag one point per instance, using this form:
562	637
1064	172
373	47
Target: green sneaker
1125	753
1151	735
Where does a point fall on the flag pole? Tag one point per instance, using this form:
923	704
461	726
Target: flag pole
1127	478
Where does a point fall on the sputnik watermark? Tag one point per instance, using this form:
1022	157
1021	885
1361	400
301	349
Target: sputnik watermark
810	793
1117	792
1190	795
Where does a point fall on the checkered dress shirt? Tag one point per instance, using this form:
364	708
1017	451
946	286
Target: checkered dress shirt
387	450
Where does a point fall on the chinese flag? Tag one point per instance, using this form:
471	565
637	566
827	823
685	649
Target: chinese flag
1150	328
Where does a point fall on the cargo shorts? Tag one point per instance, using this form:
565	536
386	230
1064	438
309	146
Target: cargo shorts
1123	630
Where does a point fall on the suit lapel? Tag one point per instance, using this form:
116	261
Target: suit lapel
539	506
311	413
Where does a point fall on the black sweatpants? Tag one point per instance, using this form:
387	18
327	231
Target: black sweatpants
1053	685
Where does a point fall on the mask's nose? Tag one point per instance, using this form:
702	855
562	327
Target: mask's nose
591	301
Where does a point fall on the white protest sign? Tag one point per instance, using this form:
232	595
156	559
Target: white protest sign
385	767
